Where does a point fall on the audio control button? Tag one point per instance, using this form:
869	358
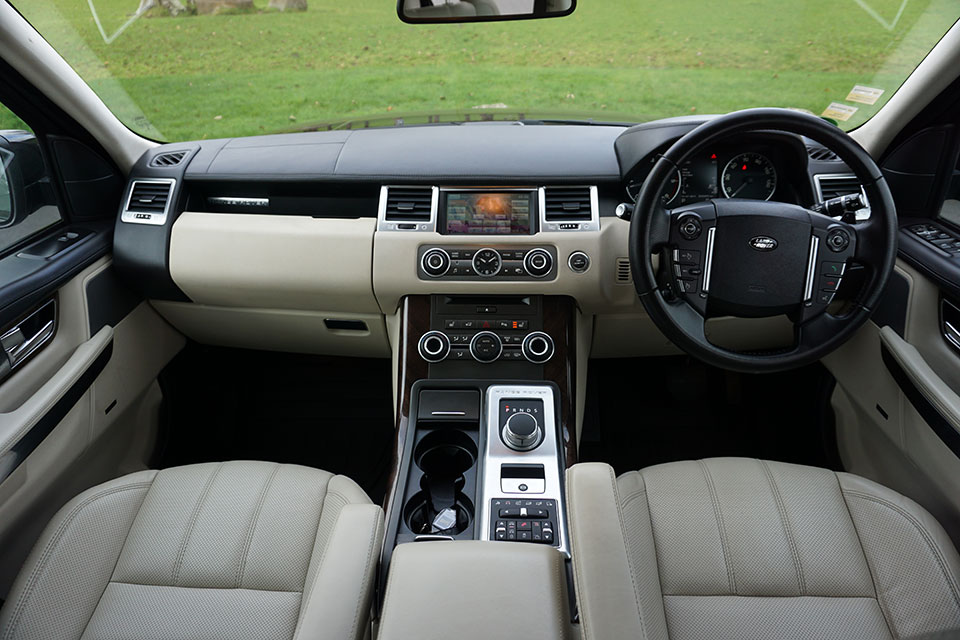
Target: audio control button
538	262
435	262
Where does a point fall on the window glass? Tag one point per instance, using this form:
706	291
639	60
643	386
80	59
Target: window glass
27	201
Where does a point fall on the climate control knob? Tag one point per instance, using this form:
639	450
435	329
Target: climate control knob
538	262
435	262
486	346
537	347
434	346
522	432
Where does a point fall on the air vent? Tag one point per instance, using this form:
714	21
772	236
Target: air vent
148	202
624	275
408	204
567	204
835	185
822	154
169	159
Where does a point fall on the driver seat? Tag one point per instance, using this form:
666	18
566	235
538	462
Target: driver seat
740	548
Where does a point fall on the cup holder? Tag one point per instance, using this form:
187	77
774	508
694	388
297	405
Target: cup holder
440	507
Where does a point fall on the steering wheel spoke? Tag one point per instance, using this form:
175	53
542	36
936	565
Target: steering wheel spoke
817	331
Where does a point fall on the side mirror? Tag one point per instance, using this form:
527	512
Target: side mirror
6	188
452	11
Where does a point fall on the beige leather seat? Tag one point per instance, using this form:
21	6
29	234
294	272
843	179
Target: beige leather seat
238	550
740	549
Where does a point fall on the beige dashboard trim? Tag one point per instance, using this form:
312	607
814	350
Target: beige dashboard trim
274	262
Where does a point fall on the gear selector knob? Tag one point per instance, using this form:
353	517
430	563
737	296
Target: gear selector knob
522	432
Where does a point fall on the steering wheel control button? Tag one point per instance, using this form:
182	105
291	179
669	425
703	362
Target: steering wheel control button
687	286
578	262
686	256
487	262
833	268
689	227
522	432
537	347
486	346
538	262
829	283
838	240
435	262
824	297
434	346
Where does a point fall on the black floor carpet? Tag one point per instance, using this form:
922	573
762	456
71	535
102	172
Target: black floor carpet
641	412
230	404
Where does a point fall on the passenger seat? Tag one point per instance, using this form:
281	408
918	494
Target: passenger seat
238	550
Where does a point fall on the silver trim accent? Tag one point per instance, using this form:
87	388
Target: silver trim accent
132	216
474	339
240	202
530	337
423	262
950	333
708	260
473	263
582	225
419	225
448	413
434	357
20	352
811	269
496	453
862	214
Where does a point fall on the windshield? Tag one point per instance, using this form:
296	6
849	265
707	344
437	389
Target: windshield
193	69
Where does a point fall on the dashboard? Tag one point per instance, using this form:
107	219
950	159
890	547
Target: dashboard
309	242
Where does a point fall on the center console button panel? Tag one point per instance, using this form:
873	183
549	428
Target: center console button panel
524	521
499	263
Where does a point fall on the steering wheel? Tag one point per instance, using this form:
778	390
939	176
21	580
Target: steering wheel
754	259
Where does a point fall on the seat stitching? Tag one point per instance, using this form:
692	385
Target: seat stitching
887	616
191	523
52	543
931	543
308	589
626	551
656	553
253	526
169	586
788	530
711	489
366	565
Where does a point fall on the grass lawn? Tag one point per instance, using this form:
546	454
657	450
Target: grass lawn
235	74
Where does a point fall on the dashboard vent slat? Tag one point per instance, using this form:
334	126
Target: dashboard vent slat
169	159
567	204
409	204
624	275
822	154
149	197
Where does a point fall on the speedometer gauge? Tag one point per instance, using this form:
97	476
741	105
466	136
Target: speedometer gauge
670	190
749	175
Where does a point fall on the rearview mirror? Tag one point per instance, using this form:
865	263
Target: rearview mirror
433	11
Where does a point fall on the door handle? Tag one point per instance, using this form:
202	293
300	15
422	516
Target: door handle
29	334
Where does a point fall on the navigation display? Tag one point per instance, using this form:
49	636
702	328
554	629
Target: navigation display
488	212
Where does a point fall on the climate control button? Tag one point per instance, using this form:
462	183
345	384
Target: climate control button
434	346
538	262
435	262
486	346
537	347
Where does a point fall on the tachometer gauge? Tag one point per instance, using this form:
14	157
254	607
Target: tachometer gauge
670	191
749	175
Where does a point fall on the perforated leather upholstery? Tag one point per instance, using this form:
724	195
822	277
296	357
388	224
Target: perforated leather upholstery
740	548
236	550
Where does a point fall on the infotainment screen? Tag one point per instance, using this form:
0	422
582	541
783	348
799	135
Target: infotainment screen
488	212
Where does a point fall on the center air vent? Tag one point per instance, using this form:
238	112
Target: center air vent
408	204
148	202
567	204
169	159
